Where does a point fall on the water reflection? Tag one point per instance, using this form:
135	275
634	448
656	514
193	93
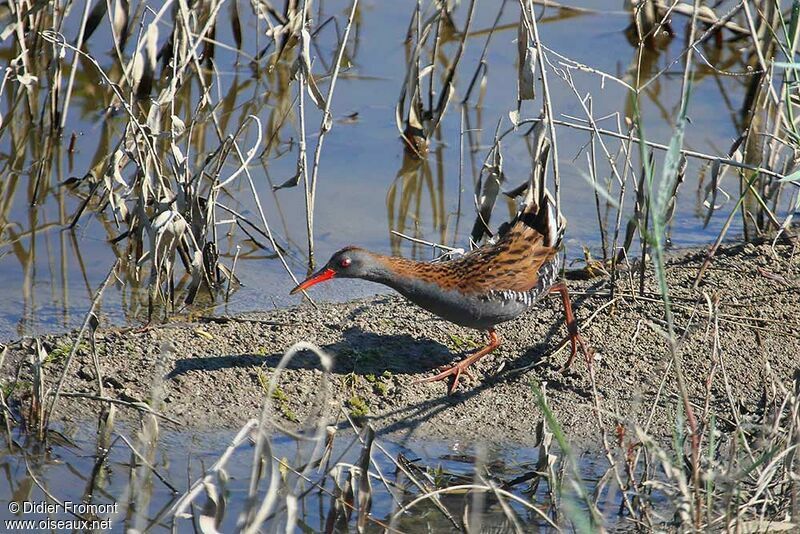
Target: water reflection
61	227
136	484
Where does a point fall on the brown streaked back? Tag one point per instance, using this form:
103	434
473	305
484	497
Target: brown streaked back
513	263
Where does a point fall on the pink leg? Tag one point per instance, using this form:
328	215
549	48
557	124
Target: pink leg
575	338
461	367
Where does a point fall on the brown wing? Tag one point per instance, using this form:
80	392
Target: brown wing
511	264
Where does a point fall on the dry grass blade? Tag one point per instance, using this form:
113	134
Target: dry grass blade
86	324
527	57
178	510
487	188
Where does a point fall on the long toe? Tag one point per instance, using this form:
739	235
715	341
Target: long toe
456	371
461	367
441	376
572	354
462	370
576	341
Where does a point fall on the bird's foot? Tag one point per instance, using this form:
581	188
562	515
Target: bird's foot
461	367
455	371
576	340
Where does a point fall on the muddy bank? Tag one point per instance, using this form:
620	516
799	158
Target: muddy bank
216	375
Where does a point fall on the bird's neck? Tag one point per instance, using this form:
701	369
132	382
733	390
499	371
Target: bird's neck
432	286
401	274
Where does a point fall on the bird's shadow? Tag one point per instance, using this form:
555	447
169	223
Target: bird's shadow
358	352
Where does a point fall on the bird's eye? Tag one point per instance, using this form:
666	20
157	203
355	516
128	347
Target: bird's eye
345	262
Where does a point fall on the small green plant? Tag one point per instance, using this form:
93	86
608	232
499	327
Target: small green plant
279	396
440	477
18	387
380	385
62	350
362	356
359	408
282	402
350	381
462	343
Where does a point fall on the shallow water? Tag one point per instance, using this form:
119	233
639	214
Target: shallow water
367	186
131	497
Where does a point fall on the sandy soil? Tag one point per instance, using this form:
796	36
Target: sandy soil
214	376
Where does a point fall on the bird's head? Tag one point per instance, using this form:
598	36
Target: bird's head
349	262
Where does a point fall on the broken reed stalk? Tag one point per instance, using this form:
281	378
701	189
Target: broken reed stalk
302	157
431	244
643	215
592	161
482	61
434	51
148	464
529	19
326	122
73	69
95	302
447	86
460	170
